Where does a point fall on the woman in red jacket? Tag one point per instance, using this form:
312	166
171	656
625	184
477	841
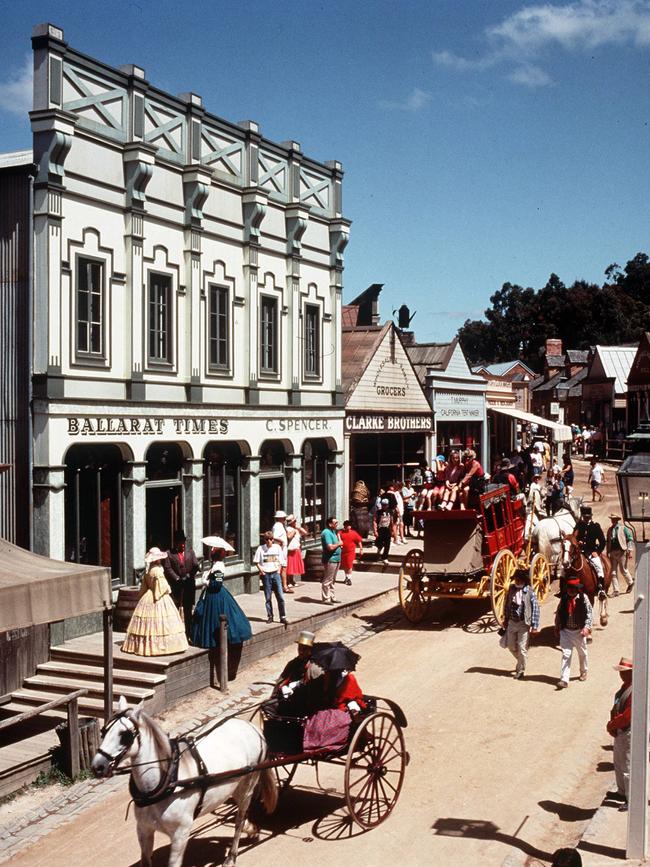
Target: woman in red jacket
352	542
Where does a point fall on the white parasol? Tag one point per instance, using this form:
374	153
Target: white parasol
217	542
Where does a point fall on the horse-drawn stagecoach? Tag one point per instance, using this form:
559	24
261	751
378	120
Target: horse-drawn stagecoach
470	553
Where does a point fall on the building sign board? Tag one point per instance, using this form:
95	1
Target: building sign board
174	426
454	406
380	423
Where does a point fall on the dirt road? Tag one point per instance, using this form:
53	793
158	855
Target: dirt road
498	767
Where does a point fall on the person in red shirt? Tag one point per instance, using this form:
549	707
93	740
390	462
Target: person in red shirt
620	721
352	543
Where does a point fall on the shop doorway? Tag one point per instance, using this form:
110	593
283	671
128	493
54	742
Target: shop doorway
93	507
164	488
164	515
271	499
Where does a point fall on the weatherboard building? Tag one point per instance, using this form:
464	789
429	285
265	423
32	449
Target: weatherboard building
186	366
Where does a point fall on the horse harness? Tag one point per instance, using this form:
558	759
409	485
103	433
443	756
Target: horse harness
169	781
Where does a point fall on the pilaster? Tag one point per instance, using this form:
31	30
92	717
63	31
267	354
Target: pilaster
134	516
335	469
293	475
49	511
193	476
250	510
296	220
339	231
254	204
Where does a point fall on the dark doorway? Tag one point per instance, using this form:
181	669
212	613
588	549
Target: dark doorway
271	499
164	515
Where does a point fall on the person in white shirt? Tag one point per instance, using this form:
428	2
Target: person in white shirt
596	479
398	526
279	530
270	558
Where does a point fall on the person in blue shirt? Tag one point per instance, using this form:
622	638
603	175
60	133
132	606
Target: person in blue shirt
331	559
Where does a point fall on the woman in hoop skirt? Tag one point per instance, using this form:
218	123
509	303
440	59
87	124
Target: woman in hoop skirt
216	600
155	628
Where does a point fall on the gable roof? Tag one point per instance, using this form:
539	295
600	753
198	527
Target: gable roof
639	371
427	356
502	368
616	362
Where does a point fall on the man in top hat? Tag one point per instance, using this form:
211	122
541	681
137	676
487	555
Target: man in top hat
180	568
294	671
620	721
592	541
505	476
573	620
619	549
279	530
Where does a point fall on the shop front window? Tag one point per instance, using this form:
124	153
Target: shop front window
164	493
221	503
315	493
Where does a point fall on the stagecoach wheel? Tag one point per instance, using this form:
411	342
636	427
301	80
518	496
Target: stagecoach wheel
540	576
411	593
374	770
503	569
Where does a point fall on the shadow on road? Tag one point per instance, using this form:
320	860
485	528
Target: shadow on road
567	812
502	672
482	830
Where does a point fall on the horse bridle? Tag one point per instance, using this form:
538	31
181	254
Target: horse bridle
128	737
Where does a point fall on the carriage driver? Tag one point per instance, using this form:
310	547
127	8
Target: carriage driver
294	671
592	541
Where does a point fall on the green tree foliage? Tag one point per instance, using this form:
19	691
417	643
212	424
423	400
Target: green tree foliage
519	320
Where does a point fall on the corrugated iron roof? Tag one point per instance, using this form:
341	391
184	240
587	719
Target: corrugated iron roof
358	345
427	356
555	360
577	356
503	367
349	315
617	361
14	159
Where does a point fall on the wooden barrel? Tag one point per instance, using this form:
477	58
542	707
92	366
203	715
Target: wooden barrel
89	742
127	599
313	565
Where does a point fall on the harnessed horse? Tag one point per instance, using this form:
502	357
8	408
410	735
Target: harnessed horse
578	565
548	535
173	780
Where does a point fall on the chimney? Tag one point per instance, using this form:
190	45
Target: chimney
553	346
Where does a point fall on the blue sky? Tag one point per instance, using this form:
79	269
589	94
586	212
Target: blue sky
483	141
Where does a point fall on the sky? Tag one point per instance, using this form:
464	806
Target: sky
483	141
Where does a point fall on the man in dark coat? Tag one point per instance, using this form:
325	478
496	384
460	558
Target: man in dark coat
592	541
180	568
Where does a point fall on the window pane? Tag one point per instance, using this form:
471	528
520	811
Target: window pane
90	289
159	317
312	341
218	326
268	334
82	337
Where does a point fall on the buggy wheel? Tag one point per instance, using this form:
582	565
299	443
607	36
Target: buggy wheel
503	569
540	576
411	593
374	769
283	776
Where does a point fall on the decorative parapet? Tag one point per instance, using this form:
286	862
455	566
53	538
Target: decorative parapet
254	208
53	131
139	160
196	188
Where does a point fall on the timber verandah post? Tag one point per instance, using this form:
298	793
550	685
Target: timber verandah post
108	663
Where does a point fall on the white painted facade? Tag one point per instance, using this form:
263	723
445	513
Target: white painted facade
177	207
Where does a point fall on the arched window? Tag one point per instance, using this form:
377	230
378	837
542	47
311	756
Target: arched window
221	485
315	489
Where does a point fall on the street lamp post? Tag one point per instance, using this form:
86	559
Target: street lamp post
633	480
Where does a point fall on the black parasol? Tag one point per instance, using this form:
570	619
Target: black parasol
334	656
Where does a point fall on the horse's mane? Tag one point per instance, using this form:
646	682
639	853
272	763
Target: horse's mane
160	737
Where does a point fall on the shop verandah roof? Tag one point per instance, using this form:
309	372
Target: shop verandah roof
35	589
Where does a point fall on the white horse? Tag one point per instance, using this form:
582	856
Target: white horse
132	736
549	532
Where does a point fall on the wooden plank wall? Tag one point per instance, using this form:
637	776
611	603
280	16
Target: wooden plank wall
21	650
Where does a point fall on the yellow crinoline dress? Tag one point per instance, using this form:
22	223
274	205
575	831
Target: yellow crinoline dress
156	628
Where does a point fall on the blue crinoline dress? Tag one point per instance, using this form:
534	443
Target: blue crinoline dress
213	602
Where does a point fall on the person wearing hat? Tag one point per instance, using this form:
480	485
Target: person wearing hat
181	568
295	563
620	721
294	671
535	511
592	541
505	476
521	618
573	620
619	550
155	628
279	530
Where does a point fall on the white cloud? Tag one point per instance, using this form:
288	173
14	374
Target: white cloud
530	75
415	101
16	91
521	38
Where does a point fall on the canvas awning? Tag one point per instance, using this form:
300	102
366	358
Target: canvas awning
561	432
35	589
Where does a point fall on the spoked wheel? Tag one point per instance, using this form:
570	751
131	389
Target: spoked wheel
374	770
540	576
503	569
411	593
283	776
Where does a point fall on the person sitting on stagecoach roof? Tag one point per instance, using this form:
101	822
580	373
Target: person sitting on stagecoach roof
454	472
473	482
592	541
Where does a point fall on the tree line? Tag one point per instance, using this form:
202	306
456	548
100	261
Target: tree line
521	319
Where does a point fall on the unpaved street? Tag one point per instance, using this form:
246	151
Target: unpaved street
498	767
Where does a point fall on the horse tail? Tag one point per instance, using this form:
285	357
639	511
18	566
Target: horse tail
268	790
